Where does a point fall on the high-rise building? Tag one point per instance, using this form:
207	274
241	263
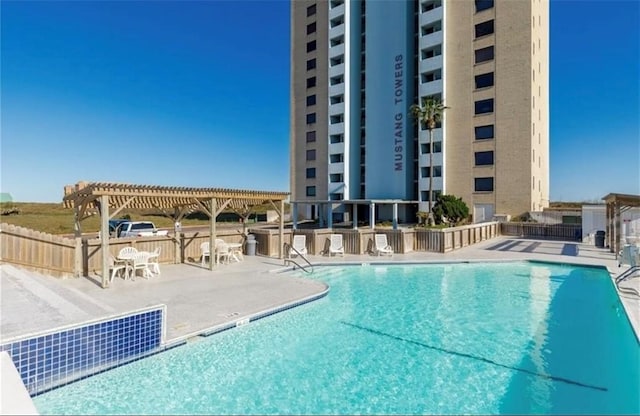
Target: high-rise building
357	67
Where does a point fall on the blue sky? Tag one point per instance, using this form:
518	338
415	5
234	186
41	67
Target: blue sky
197	94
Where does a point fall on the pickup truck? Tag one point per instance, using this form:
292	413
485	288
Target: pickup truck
138	229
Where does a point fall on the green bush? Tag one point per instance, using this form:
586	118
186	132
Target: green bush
451	209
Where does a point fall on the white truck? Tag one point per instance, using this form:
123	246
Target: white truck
138	229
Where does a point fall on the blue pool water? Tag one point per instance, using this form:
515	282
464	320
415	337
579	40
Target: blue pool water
421	339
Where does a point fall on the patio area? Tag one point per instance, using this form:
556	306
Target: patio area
198	299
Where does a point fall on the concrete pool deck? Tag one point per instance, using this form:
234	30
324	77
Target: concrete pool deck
198	300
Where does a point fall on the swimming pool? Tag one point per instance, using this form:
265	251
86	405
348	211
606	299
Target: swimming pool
477	338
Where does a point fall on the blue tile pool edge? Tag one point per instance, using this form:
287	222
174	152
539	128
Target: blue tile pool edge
55	357
174	342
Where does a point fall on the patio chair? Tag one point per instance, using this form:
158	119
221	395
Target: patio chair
630	254
335	244
141	262
127	253
299	243
154	261
223	252
205	252
381	246
117	266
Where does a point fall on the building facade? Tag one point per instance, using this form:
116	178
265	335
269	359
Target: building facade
358	66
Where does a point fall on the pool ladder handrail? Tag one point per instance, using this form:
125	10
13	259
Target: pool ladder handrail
290	260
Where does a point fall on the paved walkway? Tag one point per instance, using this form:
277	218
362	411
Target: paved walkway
198	299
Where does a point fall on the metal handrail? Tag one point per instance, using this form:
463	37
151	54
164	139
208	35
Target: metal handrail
290	260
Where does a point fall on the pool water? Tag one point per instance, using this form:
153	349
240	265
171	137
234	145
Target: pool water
418	339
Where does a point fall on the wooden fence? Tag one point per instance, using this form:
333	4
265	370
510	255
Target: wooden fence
402	241
568	232
37	251
56	255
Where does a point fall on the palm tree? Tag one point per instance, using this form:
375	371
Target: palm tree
429	114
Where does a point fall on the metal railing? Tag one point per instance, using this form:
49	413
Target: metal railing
288	248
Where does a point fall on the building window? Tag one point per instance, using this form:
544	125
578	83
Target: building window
484	80
437	148
338	40
336	80
311	64
484	132
336	3
430	5
336	138
311	100
484	106
311	173
311	10
335	177
483	29
431	52
431	76
336	60
483	5
311	136
311	118
483	184
337	99
484	54
337	21
311	154
311	28
335	197
311	82
311	46
424	195
336	158
484	158
336	119
437	171
311	191
431	28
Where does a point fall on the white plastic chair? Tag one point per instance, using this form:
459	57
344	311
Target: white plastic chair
141	262
117	266
299	243
205	252
381	246
127	253
223	252
154	261
335	246
630	254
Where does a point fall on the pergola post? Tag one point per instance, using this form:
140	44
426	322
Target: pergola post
320	216
617	231
608	228
372	215
329	215
212	234
395	215
355	216
294	214
281	230
77	232
104	238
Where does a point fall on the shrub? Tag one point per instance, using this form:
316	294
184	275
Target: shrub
451	209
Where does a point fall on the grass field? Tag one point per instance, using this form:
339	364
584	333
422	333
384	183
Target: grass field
55	219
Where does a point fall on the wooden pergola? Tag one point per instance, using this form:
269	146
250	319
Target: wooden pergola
109	199
616	205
